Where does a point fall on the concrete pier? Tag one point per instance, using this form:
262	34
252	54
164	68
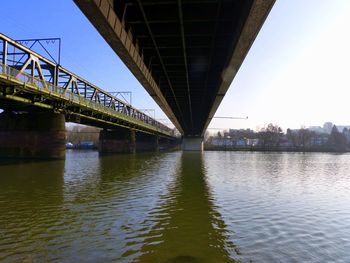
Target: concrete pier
146	142
118	140
192	144
32	135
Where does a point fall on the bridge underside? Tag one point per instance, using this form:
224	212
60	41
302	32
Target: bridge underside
185	53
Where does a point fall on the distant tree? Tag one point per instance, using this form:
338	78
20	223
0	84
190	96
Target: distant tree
337	140
304	137
270	135
292	137
219	134
242	134
78	133
346	133
273	128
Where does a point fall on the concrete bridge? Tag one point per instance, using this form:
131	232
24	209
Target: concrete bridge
38	96
185	53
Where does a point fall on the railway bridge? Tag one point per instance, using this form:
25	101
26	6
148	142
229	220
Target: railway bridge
185	53
38	96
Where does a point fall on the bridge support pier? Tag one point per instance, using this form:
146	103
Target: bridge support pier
118	140
123	140
146	142
192	144
32	135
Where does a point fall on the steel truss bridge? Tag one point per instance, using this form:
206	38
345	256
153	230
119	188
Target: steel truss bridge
29	81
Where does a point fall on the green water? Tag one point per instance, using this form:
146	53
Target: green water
176	207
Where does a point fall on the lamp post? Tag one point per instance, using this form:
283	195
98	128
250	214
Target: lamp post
228	117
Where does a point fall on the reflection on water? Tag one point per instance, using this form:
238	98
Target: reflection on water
187	226
176	207
284	207
29	192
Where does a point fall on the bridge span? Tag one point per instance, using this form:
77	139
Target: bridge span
38	96
185	53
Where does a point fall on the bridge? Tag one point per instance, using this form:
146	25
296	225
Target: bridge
185	53
38	96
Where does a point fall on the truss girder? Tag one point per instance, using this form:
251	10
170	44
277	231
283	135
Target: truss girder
26	65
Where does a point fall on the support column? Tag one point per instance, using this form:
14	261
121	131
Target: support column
192	144
146	142
118	140
32	135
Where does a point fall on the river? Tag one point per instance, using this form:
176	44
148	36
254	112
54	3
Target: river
177	207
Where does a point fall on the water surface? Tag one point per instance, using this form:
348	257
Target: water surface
177	207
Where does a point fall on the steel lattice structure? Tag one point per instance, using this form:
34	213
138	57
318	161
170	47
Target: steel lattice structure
28	80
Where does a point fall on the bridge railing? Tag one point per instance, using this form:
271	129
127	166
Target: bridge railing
27	66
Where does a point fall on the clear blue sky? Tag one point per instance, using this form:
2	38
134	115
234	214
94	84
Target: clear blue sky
296	73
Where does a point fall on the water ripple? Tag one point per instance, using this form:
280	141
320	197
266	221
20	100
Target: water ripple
284	207
177	207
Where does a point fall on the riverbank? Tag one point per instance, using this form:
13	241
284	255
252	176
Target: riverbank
251	148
